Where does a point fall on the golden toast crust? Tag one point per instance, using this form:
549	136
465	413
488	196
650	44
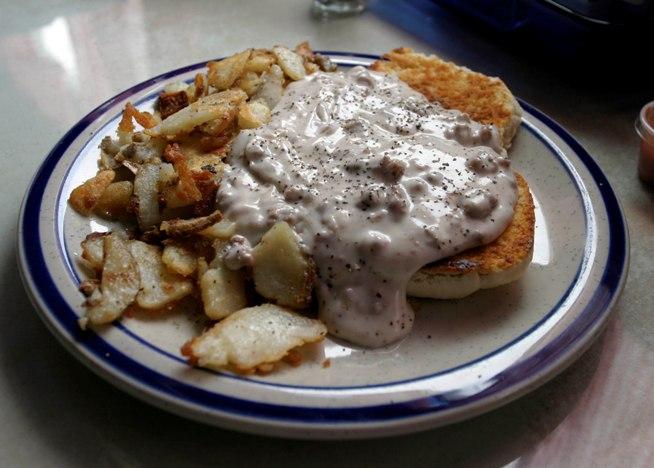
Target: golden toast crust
485	99
513	245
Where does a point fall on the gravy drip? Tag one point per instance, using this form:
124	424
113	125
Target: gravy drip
377	182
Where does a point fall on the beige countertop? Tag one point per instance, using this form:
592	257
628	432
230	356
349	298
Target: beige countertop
58	60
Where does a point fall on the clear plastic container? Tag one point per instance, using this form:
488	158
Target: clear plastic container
645	129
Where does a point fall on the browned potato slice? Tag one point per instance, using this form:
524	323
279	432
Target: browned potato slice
185	227
313	62
205	109
253	337
291	63
223	229
250	83
167	176
260	61
272	88
159	286
200	86
206	162
303	49
179	259
146	196
203	266
220	126
253	114
311	67
145	119
171	102
173	199
93	250
119	285
224	73
281	271
114	201
84	198
325	63
223	291
185	192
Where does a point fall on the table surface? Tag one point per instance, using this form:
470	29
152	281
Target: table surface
58	60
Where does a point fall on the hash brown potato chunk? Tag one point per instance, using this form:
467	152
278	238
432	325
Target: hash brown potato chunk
85	197
253	337
119	285
159	286
282	273
222	291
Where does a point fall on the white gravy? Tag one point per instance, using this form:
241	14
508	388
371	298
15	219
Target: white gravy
377	182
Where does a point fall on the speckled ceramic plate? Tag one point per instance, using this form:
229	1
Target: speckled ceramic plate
463	357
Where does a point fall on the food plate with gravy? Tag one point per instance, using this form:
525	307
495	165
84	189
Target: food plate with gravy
322	245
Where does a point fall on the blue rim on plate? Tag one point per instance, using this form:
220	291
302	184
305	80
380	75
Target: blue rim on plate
122	369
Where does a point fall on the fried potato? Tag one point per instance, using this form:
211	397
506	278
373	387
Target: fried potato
250	82
107	161
186	191
206	162
174	199
144	119
290	62
303	49
222	290
89	286
109	146
179	259
167	176
205	109
115	199
186	227
220	125
130	166
310	59
311	67
84	198
175	87
199	88
253	114
146	196
203	266
253	337
93	250
282	273
223	229
171	102
324	63
224	73
141	152
260	61
159	286
119	285
126	125
272	88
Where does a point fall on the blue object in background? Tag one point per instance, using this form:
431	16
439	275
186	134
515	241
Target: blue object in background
596	43
502	15
508	15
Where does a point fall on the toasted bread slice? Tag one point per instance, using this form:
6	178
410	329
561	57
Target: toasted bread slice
489	101
502	261
484	98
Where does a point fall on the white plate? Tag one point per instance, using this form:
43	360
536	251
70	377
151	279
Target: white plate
463	357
